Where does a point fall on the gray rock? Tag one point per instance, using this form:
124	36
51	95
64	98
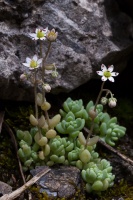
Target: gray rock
90	33
5	188
61	181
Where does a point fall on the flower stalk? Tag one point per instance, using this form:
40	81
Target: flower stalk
106	74
43	76
35	94
92	125
33	63
43	66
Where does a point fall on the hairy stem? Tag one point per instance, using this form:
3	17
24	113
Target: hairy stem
99	95
92	124
108	92
35	93
43	75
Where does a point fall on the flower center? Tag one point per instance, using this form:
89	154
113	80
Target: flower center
107	74
33	64
40	34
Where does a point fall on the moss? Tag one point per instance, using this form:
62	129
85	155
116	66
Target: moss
7	159
35	190
17	116
121	189
8	162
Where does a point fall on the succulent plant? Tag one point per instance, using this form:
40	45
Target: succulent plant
43	146
98	176
70	125
34	146
68	151
76	107
25	136
72	121
104	126
71	151
28	156
90	106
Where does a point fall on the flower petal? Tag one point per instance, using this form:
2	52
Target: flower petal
111	68
26	64
114	74
39	61
100	73
103	68
37	66
28	60
104	78
111	79
43	38
35	38
37	30
45	30
32	35
32	68
35	57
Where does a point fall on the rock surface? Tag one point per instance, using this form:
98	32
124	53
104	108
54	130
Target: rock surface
90	33
4	188
61	181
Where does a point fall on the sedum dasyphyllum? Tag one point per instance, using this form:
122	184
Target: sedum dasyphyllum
44	126
60	139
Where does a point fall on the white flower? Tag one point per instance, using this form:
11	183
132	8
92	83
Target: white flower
33	63
40	34
107	73
112	102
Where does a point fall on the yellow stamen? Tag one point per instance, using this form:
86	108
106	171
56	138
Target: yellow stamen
33	64
40	34
107	74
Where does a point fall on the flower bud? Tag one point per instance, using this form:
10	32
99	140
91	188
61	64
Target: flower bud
54	74
92	113
52	35
47	87
50	67
104	100
23	77
112	102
